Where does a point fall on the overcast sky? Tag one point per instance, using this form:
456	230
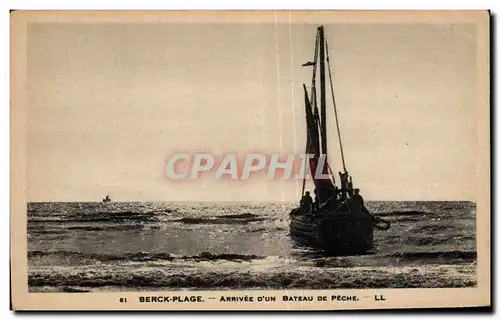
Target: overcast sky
108	103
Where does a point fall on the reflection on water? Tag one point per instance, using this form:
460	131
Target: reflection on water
143	245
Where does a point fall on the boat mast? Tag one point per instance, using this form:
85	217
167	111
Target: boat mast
322	90
312	103
316	123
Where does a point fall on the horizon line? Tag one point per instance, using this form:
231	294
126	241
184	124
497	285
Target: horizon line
235	201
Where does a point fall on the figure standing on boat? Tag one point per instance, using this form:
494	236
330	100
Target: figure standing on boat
306	203
358	204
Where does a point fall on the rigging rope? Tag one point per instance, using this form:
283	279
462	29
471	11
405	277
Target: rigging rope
335	107
331	172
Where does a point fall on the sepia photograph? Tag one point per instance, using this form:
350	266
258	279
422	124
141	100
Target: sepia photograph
245	159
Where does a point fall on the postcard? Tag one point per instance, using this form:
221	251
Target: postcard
250	160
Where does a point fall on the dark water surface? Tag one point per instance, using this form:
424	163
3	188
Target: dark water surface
206	246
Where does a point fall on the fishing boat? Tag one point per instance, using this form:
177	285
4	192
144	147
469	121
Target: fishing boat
106	199
337	221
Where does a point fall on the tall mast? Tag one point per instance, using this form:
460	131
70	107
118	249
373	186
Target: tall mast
316	122
322	88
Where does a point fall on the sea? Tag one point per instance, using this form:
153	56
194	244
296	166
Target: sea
162	246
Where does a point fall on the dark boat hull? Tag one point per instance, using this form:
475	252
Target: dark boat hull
338	234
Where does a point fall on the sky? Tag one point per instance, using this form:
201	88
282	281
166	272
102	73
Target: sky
108	103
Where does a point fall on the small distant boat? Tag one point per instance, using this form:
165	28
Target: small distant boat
337	222
106	199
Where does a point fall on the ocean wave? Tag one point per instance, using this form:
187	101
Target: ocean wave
429	241
64	230
239	216
433	228
396	219
113	228
392	259
244	218
46	231
462	255
74	290
144	256
402	213
100	216
262	230
420	239
282	279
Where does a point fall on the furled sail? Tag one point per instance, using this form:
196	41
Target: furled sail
323	185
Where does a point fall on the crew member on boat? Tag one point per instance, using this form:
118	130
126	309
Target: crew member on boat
358	204
316	201
335	193
306	203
